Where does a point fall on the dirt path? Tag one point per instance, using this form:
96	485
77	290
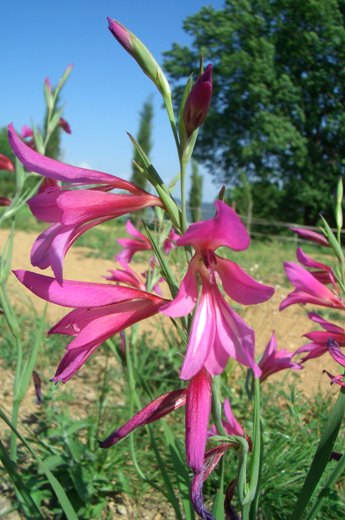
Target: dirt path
289	325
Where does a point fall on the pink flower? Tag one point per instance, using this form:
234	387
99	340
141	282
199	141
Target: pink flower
6	163
217	332
323	273
100	311
170	241
339	357
132	245
308	234
274	360
318	344
198	102
308	289
128	276
73	212
197	398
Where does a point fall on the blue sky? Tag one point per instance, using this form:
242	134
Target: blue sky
106	90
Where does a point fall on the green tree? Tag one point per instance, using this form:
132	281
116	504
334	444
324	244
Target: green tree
279	92
195	194
144	138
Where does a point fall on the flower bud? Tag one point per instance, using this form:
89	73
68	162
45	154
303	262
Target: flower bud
141	54
64	125
198	102
6	163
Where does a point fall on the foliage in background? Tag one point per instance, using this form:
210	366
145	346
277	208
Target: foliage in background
277	111
195	194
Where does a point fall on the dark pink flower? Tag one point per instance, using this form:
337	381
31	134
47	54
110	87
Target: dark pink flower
198	102
132	245
73	212
318	344
274	360
322	272
217	332
100	311
308	234
6	163
308	289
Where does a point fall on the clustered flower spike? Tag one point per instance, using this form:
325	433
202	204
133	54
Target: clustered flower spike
218	332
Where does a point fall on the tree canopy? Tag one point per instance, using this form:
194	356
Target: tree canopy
277	112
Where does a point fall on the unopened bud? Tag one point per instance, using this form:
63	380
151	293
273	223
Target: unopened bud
141	54
198	102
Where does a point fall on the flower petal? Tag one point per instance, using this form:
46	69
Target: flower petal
225	229
158	408
239	285
80	294
198	409
33	161
185	300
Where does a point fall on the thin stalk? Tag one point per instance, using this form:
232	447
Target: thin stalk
171	115
216	407
183	197
249	504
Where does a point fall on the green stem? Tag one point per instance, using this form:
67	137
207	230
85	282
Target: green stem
321	457
183	197
217	407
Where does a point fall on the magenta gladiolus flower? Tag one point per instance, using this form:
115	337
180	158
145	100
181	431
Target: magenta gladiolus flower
322	272
318	344
198	102
308	289
218	332
73	212
339	357
308	234
132	245
6	163
129	277
100	311
274	360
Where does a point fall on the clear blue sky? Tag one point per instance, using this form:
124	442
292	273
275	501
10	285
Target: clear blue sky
106	90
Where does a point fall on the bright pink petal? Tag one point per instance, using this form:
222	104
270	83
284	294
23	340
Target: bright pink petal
274	360
80	294
198	409
327	325
78	206
33	161
158	408
308	289
308	234
128	277
233	333
44	205
185	300
239	285
335	352
232	425
225	229
201	338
